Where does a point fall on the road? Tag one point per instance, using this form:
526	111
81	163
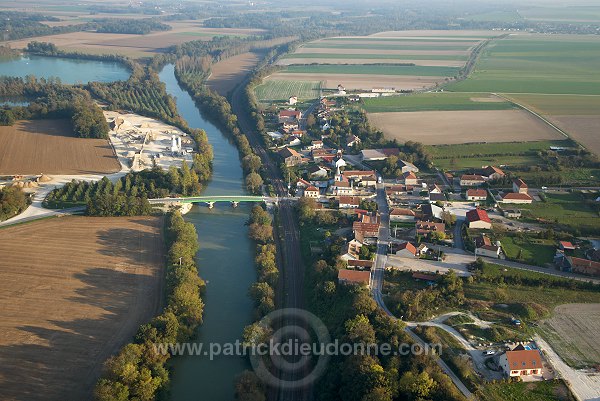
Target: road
377	283
292	283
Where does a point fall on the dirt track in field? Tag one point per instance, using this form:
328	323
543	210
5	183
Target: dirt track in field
73	291
50	147
362	81
226	74
454	127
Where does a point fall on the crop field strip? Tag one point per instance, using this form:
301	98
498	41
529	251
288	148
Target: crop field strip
378	56
276	90
386	46
373	70
445	101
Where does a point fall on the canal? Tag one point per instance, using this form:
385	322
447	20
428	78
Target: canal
225	261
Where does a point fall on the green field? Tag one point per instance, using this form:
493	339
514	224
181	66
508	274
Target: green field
567	209
374	70
376	56
387	46
446	101
432	39
278	91
571	14
551	390
565	64
475	155
529	250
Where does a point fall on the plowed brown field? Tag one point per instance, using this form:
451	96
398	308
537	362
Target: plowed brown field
73	290
50	147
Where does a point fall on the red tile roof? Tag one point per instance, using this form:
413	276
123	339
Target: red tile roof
361	263
355	276
350	200
525	359
289	113
477	192
517	196
409	247
478	215
567	245
312	189
471	177
423	276
402	212
409	175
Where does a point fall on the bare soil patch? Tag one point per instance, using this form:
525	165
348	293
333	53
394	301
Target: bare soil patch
50	147
362	81
489	99
454	127
226	74
432	63
583	129
73	291
416	43
573	333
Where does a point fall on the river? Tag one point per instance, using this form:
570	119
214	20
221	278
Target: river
70	71
225	262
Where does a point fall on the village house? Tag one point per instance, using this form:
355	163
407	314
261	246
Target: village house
349	202
291	157
517	198
435	189
471	180
399	214
298	133
566	246
431	212
476	194
351	250
492	173
437	197
292	141
576	265
315	145
409	178
290	126
366	227
368	181
426	227
341	188
293	100
312	192
317	172
407	166
322	155
356	264
406	250
287	116
484	247
352	140
356	277
357	174
521	363
519	186
478	218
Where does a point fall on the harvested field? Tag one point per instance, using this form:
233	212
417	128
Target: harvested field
226	74
430	63
72	298
583	129
573	333
453	127
362	81
50	147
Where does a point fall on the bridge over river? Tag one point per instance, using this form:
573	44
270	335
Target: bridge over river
211	200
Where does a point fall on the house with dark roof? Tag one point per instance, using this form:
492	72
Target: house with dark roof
426	227
519	186
476	194
492	173
478	218
290	157
471	180
410	178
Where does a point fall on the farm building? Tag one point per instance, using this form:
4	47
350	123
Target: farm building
287	116
290	157
426	227
492	173
410	178
407	166
478	218
521	363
